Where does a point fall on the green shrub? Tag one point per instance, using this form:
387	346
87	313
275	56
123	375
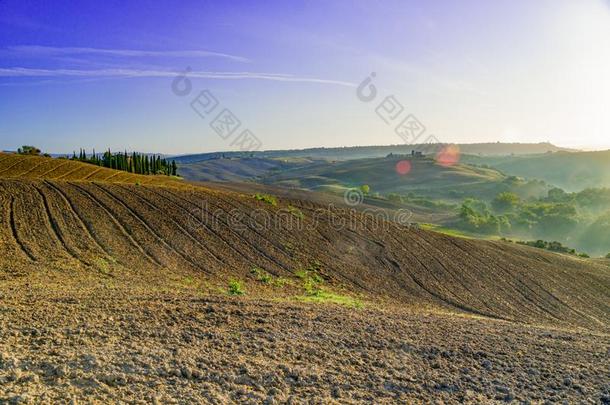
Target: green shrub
296	212
608	256
28	150
236	288
266	198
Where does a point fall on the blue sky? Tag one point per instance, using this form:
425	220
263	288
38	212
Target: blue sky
96	75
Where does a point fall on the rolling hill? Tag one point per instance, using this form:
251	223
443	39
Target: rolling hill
425	177
238	169
122	289
573	171
36	167
364	152
108	223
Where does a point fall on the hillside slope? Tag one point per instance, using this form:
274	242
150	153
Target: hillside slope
422	176
150	228
571	171
36	167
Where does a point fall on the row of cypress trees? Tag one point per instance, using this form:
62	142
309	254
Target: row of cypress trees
136	163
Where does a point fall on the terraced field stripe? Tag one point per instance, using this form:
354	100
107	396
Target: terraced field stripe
56	230
210	230
263	238
176	224
93	173
63	176
452	302
15	233
439	283
3	158
48	172
250	244
247	210
510	274
118	224
160	238
534	281
90	232
454	275
13	165
32	169
115	174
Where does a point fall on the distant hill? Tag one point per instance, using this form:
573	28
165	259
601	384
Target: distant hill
425	178
361	152
571	171
237	169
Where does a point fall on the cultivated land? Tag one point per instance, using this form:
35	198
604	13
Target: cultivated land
112	291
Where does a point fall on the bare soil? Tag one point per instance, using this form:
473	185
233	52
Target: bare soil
98	342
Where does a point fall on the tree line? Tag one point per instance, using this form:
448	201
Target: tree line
134	162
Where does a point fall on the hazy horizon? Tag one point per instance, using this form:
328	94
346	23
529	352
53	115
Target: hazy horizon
101	77
195	152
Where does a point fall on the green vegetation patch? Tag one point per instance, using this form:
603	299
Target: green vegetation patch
327	297
261	275
266	278
266	198
313	284
296	212
236	288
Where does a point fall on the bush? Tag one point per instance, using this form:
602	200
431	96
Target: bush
296	212
551	246
608	256
269	199
236	288
505	202
28	150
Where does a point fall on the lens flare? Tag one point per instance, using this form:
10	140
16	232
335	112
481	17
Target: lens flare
403	167
448	156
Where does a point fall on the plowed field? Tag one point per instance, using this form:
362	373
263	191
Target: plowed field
99	233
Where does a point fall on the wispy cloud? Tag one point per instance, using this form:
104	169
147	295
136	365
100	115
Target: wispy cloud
36	50
133	73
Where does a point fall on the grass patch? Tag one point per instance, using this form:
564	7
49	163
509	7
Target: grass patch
236	288
266	278
296	212
266	198
280	282
261	275
451	232
327	297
